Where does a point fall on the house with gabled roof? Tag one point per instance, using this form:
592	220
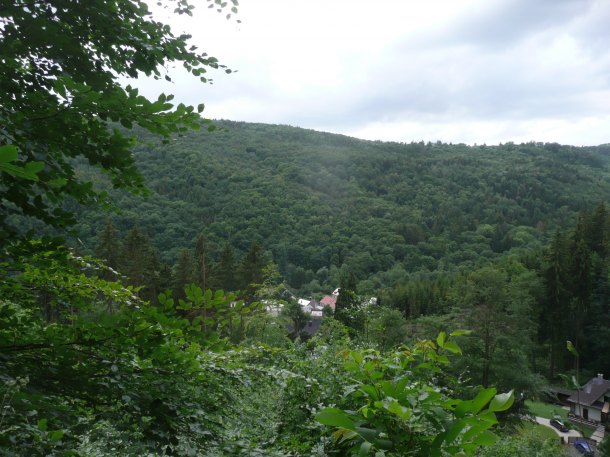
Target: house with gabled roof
592	402
329	300
303	302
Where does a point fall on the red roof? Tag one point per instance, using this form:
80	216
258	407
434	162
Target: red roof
330	301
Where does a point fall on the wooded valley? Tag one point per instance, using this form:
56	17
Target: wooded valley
507	242
428	229
159	272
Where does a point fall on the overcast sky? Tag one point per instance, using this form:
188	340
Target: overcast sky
472	71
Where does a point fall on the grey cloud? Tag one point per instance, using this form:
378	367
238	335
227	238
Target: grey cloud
503	63
507	22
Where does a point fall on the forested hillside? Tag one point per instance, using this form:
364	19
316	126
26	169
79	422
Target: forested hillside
320	203
173	328
452	236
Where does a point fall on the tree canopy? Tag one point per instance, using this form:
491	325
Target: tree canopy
106	359
62	97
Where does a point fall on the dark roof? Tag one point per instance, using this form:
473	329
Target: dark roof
561	391
310	327
591	392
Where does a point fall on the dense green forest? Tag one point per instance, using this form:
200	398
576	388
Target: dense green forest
429	229
321	204
147	332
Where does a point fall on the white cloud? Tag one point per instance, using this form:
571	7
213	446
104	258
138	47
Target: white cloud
472	71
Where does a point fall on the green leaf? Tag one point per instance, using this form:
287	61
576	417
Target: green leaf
482	398
59	182
194	294
365	448
440	340
502	402
460	332
485	439
56	435
335	417
572	348
8	153
42	425
357	356
368	434
33	168
454	431
397	409
452	347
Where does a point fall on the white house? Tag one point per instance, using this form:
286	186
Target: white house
303	302
273	308
592	402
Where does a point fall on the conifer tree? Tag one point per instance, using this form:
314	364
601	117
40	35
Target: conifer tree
555	307
225	273
581	275
202	271
109	249
155	283
598	230
251	271
595	341
347	292
297	317
135	257
346	310
183	272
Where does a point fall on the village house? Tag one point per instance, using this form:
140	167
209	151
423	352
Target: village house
272	307
592	402
329	300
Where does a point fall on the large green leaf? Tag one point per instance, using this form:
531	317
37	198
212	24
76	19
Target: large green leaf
482	398
502	402
335	417
8	153
452	347
440	339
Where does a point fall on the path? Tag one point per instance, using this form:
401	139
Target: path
598	434
547	422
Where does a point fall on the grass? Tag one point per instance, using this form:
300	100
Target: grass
541	431
586	431
549	411
546	410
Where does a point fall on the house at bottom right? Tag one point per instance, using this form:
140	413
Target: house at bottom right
592	402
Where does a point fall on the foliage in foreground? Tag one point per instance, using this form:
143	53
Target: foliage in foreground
62	97
401	404
524	446
88	369
85	365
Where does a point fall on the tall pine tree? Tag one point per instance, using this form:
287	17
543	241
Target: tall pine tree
346	309
109	248
251	271
225	273
202	271
555	308
183	273
135	257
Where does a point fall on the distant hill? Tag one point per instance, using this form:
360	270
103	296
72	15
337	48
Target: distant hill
320	202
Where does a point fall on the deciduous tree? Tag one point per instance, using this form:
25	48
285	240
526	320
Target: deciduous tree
62	67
